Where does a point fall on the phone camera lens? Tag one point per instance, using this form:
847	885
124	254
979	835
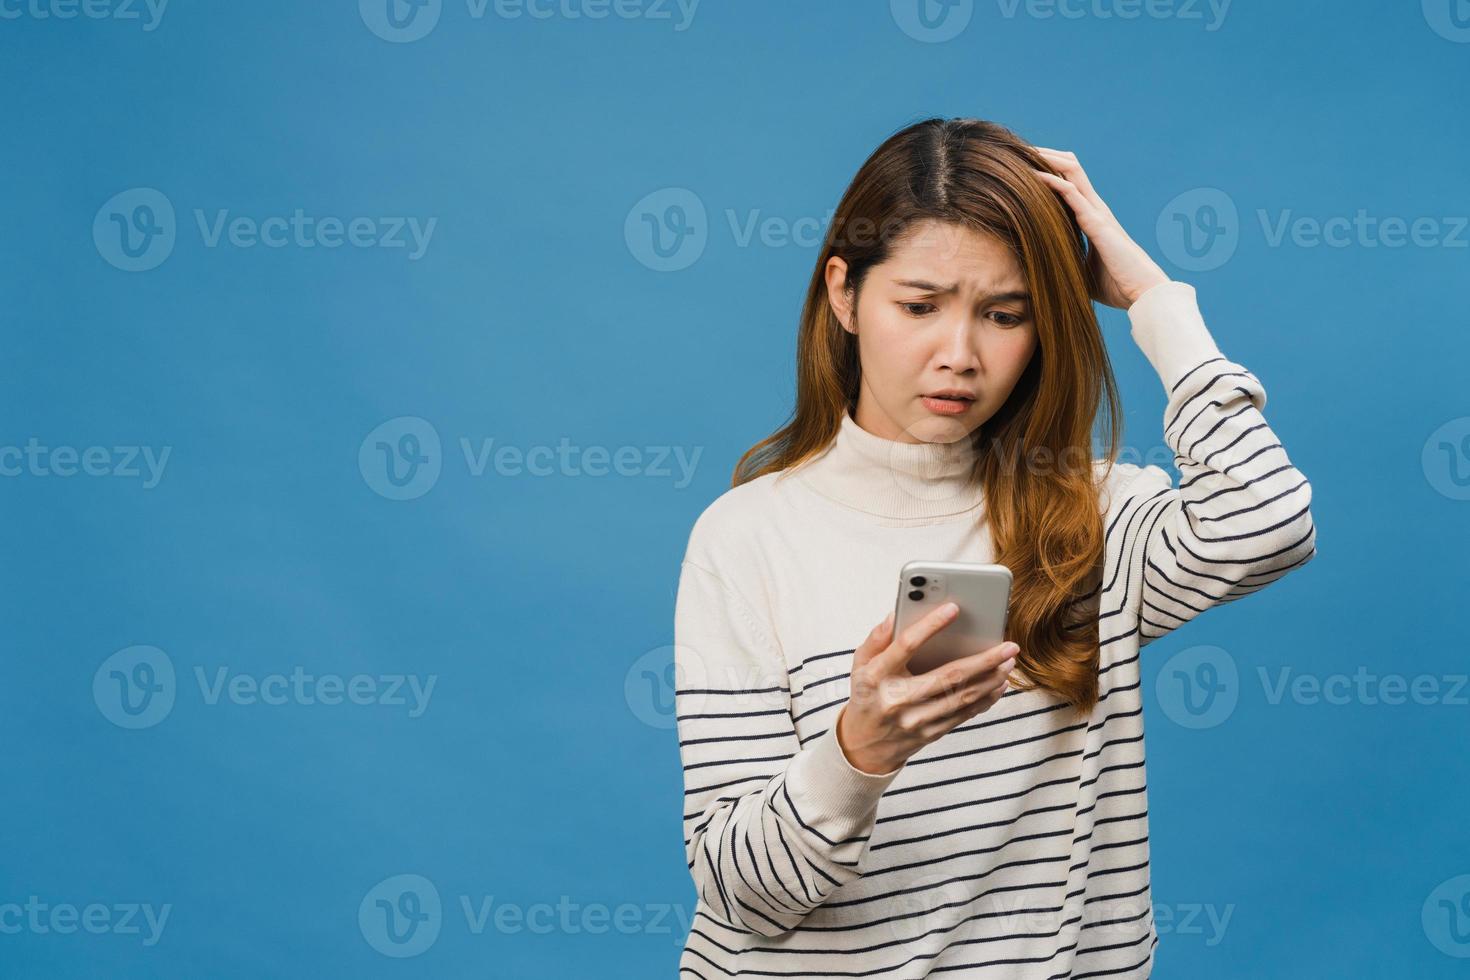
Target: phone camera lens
917	580
916	595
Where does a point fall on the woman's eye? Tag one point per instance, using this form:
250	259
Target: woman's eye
1010	319
922	308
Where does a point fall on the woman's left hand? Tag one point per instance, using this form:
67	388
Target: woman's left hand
1118	269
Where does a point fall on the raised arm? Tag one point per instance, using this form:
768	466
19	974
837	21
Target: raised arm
1240	517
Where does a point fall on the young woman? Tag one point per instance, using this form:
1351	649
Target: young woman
844	816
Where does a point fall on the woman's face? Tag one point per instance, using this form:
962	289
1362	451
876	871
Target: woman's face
947	312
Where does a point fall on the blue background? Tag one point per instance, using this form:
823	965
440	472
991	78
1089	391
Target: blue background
544	766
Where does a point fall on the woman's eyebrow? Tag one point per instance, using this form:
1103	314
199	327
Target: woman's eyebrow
930	287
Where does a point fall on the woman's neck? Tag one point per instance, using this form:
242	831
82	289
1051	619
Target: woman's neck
893	479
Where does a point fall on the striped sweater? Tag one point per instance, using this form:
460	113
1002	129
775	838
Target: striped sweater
1016	845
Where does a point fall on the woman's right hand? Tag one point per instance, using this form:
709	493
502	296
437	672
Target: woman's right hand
892	713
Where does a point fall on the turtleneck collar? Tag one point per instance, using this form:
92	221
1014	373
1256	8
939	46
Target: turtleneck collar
891	479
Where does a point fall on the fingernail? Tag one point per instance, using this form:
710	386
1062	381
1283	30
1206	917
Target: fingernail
1005	668
951	608
1010	647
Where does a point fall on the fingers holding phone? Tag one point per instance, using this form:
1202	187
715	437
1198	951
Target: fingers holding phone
948	696
892	713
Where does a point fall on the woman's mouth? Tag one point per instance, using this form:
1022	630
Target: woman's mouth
947	404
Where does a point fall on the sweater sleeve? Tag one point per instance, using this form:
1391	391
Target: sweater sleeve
771	828
1240	517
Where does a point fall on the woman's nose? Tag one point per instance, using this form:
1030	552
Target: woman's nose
960	352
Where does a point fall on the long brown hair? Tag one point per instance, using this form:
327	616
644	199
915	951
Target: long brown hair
1044	520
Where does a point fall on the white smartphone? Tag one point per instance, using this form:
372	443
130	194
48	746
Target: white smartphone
983	593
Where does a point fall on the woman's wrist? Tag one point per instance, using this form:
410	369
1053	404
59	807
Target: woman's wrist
1135	294
858	760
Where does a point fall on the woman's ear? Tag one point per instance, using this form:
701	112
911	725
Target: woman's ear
838	296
